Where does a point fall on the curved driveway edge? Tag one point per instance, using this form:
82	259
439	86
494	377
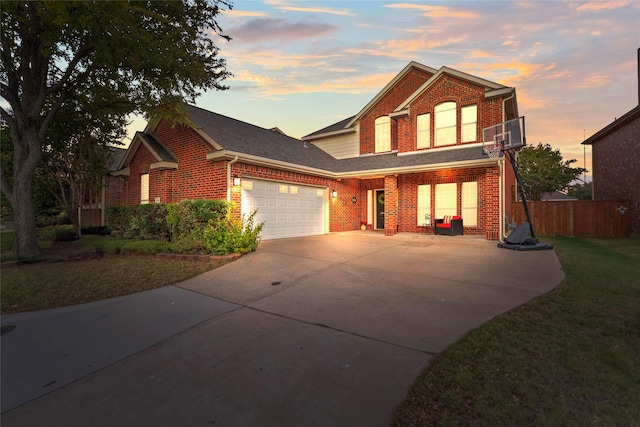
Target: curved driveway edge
325	330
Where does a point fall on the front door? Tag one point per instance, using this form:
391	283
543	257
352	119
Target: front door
379	209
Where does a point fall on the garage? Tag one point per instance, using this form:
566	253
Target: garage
288	210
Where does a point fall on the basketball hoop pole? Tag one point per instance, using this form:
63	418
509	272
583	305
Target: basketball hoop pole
514	165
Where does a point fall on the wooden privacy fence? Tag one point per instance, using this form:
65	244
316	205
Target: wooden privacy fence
577	218
91	217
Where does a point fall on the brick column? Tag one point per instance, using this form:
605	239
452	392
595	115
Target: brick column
390	205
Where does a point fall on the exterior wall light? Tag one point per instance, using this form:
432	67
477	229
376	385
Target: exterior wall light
334	193
236	181
354	200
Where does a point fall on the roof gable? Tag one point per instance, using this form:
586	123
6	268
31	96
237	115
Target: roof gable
406	70
165	158
491	88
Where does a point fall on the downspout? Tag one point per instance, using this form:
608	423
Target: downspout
502	173
229	183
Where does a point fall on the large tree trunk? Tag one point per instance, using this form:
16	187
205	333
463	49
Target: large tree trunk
26	156
26	239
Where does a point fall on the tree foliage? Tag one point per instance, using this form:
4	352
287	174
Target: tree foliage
543	170
76	156
582	190
114	57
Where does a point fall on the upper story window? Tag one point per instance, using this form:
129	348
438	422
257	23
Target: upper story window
469	123
383	134
424	131
445	124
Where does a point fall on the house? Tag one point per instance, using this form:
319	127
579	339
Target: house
615	152
92	213
411	155
557	196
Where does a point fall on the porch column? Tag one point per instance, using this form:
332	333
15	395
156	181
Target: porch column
390	205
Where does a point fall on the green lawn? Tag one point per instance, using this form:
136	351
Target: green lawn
43	285
570	358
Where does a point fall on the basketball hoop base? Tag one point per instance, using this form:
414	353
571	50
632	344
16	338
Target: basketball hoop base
518	240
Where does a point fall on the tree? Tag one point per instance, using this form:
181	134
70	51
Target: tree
582	190
76	155
133	56
543	171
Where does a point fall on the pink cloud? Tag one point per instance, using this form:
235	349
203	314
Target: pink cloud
270	29
596	6
436	11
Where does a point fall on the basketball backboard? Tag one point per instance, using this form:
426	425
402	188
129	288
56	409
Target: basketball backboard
503	136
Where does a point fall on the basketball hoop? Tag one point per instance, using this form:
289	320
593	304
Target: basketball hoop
493	151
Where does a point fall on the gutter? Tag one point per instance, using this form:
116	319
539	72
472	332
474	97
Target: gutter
363	173
261	161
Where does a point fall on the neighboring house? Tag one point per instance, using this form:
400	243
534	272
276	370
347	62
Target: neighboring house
615	153
557	196
414	150
93	213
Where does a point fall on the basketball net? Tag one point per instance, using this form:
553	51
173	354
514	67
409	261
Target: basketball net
493	151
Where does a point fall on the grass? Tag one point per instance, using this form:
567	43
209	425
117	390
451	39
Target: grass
571	357
43	285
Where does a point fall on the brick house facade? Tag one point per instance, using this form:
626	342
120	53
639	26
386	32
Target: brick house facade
415	150
617	177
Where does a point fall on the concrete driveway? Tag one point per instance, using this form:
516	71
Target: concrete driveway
326	330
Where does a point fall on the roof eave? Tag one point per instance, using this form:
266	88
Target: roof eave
263	161
498	92
121	172
370	173
164	165
329	134
611	127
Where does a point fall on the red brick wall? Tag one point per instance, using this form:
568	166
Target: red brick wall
196	177
391	205
488	197
616	168
114	191
394	97
344	215
140	164
449	88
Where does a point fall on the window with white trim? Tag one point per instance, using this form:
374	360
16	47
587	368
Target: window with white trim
423	131
445	124
469	123
383	134
446	200
424	204
144	188
470	203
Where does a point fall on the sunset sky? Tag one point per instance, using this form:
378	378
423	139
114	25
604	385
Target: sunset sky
302	65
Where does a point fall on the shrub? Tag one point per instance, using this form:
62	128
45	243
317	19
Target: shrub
192	227
147	222
234	235
193	216
58	233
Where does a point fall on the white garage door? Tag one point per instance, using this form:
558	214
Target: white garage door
287	210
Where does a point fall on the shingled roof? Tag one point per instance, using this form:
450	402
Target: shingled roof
241	138
255	144
252	144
